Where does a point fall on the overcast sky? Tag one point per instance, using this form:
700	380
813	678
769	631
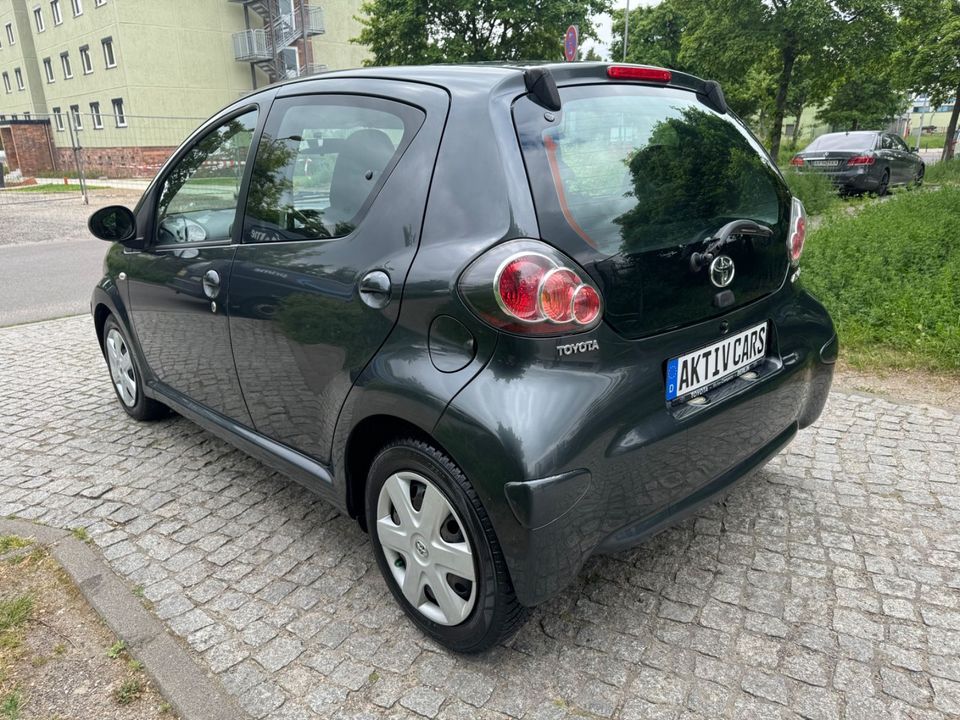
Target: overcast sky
604	29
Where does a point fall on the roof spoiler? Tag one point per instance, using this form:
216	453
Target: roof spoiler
542	86
712	96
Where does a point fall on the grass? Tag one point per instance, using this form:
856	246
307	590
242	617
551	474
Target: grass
130	690
927	142
10	705
14	613
80	533
889	275
944	172
54	188
12	542
116	650
815	191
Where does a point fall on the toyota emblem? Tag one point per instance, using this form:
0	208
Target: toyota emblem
721	271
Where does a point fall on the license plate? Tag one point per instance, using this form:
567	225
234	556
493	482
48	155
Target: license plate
824	163
704	369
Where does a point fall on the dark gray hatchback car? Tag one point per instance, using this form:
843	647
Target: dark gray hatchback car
505	317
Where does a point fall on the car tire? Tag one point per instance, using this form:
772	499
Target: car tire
465	615
918	180
884	187
125	375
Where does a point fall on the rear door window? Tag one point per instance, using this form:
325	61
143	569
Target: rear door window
320	163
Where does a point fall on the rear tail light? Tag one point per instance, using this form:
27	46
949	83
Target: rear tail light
646	74
862	160
526	286
798	232
797	161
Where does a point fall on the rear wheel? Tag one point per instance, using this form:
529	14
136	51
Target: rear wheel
884	185
437	550
125	375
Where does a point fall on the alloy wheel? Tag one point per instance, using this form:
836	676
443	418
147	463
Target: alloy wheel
427	548
121	367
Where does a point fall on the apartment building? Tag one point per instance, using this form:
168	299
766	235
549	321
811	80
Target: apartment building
126	80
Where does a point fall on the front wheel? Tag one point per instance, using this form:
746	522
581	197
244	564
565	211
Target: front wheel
125	375
884	187
437	550
918	180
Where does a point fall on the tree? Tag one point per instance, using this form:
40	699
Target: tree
430	31
864	98
930	54
763	50
654	35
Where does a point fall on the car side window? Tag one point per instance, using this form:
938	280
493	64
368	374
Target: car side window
198	202
900	144
886	143
321	162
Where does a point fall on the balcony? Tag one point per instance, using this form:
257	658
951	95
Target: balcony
314	20
251	46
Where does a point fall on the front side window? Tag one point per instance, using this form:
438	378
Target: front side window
48	69
198	202
109	59
38	18
58	119
85	60
95	116
77	119
56	12
18	74
321	162
65	64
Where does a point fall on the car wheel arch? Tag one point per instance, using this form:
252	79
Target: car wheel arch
100	314
367	438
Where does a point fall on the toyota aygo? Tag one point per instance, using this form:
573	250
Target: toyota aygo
507	317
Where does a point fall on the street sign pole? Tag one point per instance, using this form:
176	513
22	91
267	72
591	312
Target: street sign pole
626	30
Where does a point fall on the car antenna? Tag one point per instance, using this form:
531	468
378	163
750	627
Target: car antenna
542	86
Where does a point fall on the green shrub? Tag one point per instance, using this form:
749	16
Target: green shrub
944	172
815	191
890	276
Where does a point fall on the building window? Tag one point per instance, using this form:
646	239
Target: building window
48	69
65	62
26	115
77	120
6	83
2	117
77	7
100	3
58	119
108	57
85	62
55	11
10	39
96	119
38	18
19	76
118	113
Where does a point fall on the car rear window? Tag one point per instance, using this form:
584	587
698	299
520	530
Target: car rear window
843	141
631	168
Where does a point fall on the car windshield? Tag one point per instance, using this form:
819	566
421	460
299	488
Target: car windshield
843	141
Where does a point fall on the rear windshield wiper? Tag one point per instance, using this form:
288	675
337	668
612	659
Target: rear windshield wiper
735	227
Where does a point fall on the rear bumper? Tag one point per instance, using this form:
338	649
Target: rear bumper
577	457
860	179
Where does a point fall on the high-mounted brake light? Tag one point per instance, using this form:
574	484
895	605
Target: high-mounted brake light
862	160
797	161
798	232
647	74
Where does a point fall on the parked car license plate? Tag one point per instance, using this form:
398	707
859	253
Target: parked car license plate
703	369
824	163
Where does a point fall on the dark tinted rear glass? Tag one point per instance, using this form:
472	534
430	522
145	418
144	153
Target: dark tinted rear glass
843	141
632	169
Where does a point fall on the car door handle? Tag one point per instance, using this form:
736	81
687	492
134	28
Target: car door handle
375	289
211	284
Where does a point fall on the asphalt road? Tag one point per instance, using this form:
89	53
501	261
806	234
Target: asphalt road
47	280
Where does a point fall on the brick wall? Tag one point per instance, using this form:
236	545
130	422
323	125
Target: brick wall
28	145
118	162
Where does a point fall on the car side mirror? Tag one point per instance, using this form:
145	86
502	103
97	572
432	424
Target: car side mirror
114	223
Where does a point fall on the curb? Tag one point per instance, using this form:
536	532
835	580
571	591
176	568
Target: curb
193	693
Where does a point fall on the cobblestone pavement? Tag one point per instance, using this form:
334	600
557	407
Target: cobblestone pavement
826	586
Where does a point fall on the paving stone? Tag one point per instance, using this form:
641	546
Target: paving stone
825	585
